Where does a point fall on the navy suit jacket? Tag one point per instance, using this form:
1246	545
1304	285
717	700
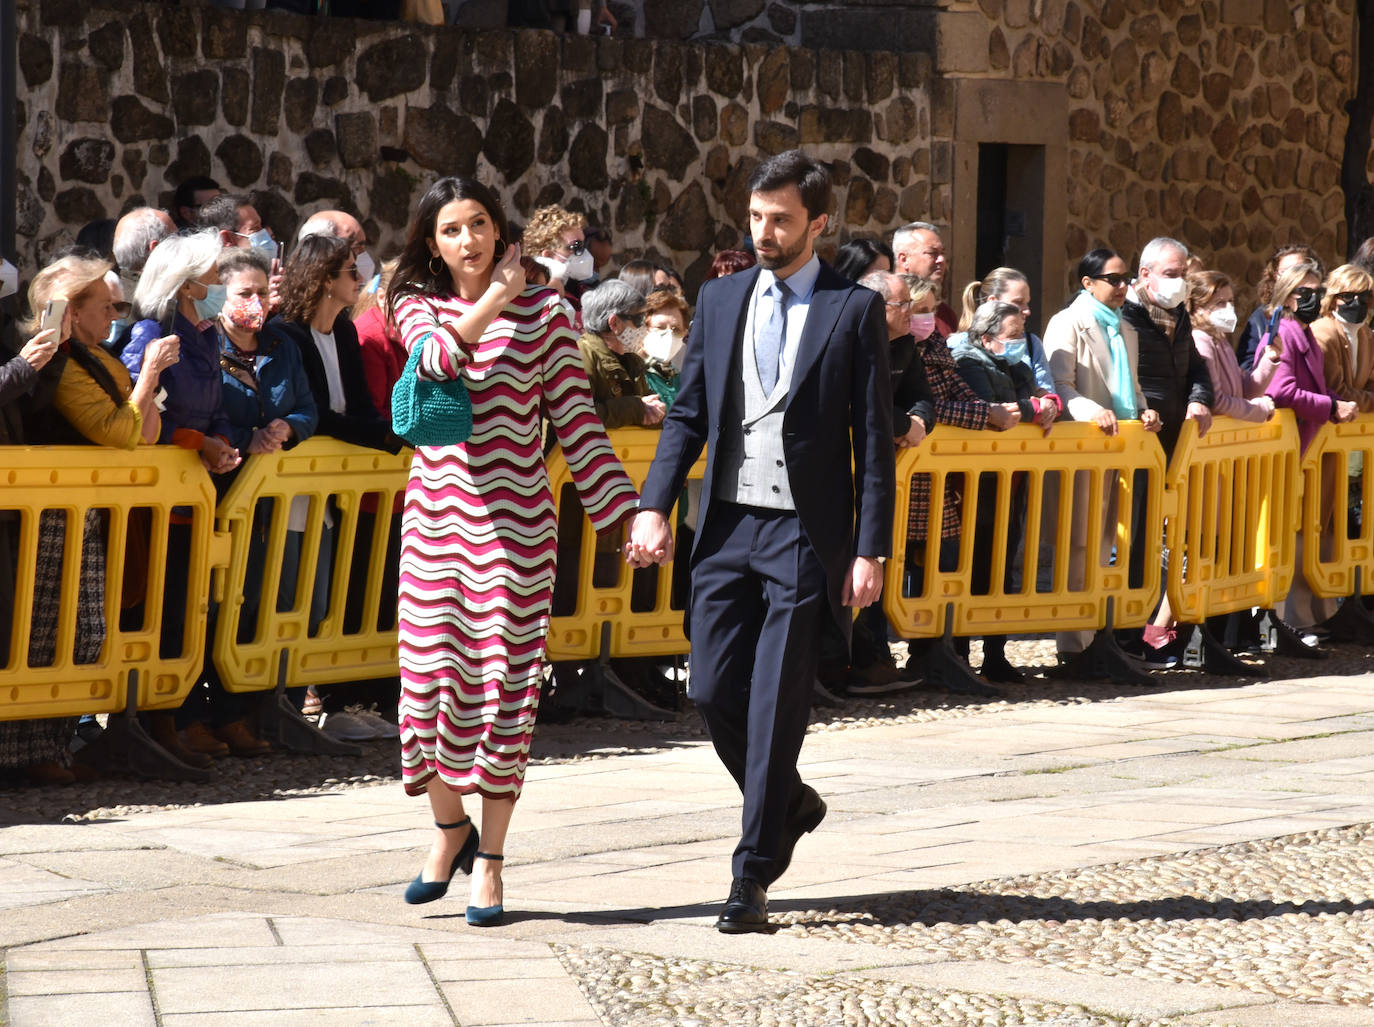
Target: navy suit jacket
837	424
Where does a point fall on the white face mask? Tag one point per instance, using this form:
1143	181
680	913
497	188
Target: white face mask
367	268
555	267
662	344
1168	292
1224	319
580	267
9	279
632	338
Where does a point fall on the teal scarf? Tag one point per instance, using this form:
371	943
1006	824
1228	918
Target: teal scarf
1122	383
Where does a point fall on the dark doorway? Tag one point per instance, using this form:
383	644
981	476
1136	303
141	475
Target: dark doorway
1011	215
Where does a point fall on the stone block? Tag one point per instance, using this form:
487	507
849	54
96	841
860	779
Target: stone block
311	187
269	82
899	121
331	41
82	93
773	80
589	157
195	97
35	59
224	34
234	95
277	212
47	185
622	107
135	167
854	73
705	120
724	70
773	137
438	139
176	29
242	160
553	137
474	95
1169	118
667	74
150	74
639	56
858	202
688	224
667	145
389	199
801	69
107	45
734	124
193	158
389	68
321	147
884	206
873	164
509	142
729	14
356	134
536	68
87	160
131	121
999	55
582	99
782	18
833	125
676	20
280	173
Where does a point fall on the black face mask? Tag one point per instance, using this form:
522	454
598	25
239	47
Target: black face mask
1309	309
1354	312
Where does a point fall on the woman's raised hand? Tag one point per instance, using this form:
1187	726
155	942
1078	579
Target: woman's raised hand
509	274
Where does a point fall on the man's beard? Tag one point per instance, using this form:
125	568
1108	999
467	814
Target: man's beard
782	258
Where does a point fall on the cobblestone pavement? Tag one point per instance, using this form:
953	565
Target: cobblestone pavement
1199	852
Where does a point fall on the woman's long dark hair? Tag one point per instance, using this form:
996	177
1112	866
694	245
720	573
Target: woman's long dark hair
317	260
413	275
1093	262
854	257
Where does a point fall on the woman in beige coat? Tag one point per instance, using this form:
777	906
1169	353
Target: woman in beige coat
1092	354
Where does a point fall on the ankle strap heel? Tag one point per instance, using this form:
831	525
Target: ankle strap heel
488	855
454	826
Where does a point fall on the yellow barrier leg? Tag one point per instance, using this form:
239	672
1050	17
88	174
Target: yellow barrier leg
599	690
1103	659
942	667
279	721
124	745
1352	622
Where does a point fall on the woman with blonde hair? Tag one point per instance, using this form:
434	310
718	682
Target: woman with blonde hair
1007	285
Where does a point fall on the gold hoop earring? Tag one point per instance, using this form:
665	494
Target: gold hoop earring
435	270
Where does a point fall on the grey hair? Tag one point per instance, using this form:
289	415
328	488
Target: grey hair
135	236
612	297
903	235
1157	247
878	281
175	262
317	224
988	318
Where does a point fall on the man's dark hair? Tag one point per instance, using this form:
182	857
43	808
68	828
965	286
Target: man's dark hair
185	195
795	168
222	212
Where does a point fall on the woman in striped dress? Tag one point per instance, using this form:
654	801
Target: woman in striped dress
479	534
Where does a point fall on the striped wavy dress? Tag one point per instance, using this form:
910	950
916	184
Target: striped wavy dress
479	540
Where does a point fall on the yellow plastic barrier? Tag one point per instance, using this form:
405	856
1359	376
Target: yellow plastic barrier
1348	566
1086	461
1233	507
632	632
151	480
327	479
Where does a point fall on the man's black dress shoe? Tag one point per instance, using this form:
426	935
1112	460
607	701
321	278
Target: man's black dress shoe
746	910
804	819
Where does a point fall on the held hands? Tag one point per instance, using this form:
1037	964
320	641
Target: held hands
39	350
864	582
508	274
270	438
914	436
1203	416
1002	416
218	456
654	410
651	540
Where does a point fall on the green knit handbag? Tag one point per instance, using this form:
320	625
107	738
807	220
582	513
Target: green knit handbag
426	413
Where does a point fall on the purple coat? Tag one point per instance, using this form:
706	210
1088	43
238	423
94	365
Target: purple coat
1300	381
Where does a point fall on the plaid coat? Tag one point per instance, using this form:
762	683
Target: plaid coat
955	404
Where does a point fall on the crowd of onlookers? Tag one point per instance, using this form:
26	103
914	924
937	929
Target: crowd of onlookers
196	328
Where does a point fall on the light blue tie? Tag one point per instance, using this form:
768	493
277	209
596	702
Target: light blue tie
769	336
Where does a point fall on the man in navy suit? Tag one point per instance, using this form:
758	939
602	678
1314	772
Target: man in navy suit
785	381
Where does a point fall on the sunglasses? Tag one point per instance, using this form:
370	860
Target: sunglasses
1349	297
577	248
1306	293
123	309
352	270
1116	281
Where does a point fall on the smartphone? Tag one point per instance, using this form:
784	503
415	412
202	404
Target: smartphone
53	314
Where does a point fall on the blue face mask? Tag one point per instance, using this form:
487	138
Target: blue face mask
263	242
208	309
1015	351
116	326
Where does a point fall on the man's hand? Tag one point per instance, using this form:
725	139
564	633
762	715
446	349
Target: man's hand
651	540
1106	420
653	410
914	436
1202	415
1150	421
262	442
864	582
1002	416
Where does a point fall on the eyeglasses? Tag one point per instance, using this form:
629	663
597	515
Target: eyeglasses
123	308
352	269
900	304
1349	297
1116	281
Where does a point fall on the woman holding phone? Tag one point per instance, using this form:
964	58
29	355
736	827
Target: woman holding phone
479	534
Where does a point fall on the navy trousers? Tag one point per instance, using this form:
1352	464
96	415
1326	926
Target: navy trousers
758	597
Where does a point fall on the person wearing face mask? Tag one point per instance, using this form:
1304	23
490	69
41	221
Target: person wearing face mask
1010	286
665	317
1171	373
613	315
1300	384
1235	393
556	238
1283	258
1092	352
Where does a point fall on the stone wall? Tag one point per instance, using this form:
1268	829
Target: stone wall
654	139
1219	121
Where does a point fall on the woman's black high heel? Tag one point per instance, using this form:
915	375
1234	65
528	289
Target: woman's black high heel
421	890
487	916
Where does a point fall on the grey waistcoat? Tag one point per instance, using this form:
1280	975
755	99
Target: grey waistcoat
753	470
